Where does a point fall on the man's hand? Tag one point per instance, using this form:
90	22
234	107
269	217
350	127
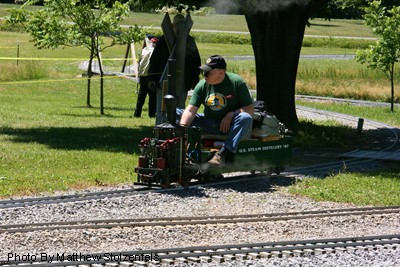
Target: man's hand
226	122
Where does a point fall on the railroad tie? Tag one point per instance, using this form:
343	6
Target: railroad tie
240	256
253	255
194	259
205	259
265	254
319	251
308	251
217	258
143	263
287	253
298	252
229	257
276	254
112	264
167	261
329	250
125	264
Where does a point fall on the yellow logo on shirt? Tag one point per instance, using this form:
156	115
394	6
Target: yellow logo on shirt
216	101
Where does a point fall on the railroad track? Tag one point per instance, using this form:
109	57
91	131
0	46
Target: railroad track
391	145
391	132
139	189
169	221
218	254
23	202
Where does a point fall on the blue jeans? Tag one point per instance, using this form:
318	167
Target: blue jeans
240	127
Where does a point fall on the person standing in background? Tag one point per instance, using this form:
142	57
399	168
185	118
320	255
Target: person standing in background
160	57
143	71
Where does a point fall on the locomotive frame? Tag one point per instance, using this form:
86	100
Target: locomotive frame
179	155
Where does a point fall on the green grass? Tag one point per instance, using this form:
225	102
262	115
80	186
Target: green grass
50	141
377	188
382	114
374	188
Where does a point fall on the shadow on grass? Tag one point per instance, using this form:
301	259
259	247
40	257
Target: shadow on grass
311	135
114	108
324	25
113	139
95	115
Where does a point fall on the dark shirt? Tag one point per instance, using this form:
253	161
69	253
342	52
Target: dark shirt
219	99
160	57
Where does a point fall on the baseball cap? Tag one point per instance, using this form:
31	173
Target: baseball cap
214	62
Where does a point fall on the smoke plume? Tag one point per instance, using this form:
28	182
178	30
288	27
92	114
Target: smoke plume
233	6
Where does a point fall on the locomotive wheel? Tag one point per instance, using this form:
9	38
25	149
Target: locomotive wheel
216	178
184	181
270	171
165	182
279	169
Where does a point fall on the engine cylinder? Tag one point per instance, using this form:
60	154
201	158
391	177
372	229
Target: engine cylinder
143	162
160	163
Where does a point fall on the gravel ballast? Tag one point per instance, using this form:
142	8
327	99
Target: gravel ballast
259	197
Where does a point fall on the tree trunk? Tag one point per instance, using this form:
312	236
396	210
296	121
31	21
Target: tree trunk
97	52
392	87
277	33
89	79
90	74
101	84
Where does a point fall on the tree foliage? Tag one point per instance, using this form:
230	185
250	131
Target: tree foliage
78	23
74	23
385	23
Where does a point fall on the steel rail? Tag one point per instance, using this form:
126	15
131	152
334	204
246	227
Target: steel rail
221	253
23	202
223	219
393	133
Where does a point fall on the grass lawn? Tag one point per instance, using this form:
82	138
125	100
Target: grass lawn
50	140
374	188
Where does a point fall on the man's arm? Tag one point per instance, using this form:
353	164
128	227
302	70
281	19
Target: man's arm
226	121
188	115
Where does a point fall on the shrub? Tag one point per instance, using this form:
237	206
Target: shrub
5	27
203	11
337	42
27	70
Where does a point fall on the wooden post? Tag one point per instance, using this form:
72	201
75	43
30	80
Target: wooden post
176	42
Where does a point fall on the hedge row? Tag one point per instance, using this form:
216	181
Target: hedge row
244	39
229	38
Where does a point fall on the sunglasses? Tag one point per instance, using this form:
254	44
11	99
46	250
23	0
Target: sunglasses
207	73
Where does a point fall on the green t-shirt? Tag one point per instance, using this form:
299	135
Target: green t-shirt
219	99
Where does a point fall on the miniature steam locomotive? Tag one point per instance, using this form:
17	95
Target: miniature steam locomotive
179	155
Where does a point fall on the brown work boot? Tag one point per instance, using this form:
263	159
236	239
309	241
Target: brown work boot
217	160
